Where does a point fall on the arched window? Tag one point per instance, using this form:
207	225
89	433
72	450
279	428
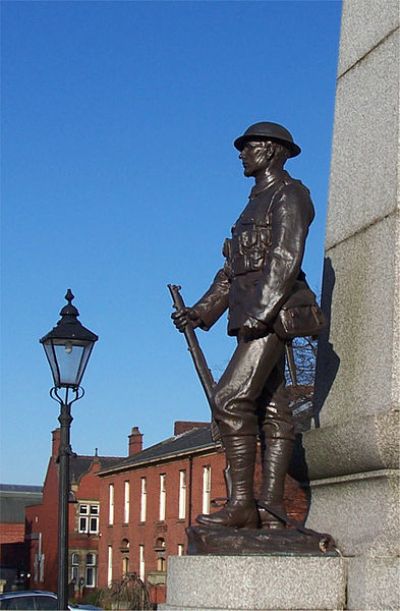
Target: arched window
91	570
75	567
124	548
160	548
160	544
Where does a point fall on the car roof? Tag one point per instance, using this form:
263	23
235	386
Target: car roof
27	593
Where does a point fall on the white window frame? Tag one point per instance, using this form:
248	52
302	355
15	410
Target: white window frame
182	495
111	504
109	566
163	498
206	495
143	499
88	518
126	501
75	560
91	568
141	563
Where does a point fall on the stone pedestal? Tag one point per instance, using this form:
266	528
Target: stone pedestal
352	455
255	583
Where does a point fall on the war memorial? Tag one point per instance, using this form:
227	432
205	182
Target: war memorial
248	555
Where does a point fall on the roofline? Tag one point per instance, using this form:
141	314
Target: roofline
160	459
21	492
26	488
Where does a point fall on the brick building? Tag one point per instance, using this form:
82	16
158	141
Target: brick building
84	516
148	499
13	549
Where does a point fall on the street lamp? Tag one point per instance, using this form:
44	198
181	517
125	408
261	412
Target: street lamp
68	347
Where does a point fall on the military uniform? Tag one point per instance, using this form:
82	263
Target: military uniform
262	270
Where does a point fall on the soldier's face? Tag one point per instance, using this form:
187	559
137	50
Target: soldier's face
254	156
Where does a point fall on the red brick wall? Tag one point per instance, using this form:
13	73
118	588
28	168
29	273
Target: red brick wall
12	533
44	519
13	550
172	530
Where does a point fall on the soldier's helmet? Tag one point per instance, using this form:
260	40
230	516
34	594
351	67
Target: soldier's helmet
268	131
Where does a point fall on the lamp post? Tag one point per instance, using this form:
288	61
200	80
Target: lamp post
68	347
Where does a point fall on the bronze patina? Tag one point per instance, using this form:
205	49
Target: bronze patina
261	275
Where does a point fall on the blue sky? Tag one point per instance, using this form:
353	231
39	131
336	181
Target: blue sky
119	176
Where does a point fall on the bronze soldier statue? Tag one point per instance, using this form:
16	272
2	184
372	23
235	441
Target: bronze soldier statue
262	272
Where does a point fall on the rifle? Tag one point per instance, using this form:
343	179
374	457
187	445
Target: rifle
291	362
206	378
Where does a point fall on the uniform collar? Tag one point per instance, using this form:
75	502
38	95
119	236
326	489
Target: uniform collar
266	182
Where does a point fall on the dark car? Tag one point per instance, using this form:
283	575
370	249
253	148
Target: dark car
34	600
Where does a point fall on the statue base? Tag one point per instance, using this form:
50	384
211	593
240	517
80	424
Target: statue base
271	582
220	540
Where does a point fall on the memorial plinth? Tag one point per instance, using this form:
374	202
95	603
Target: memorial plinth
352	455
249	583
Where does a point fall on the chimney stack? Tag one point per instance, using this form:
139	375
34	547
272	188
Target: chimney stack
135	443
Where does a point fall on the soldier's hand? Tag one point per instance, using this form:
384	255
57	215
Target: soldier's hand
253	329
187	316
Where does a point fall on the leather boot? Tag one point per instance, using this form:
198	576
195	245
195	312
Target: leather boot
276	459
240	511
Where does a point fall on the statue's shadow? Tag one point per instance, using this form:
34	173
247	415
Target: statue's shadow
327	366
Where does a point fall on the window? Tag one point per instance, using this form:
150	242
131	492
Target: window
75	567
88	520
124	549
126	502
180	549
160	548
109	566
143	499
38	567
141	562
41	602
111	504
163	497
91	569
206	489
23	602
125	566
41	568
182	495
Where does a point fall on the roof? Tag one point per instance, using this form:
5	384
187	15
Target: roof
20	488
13	500
79	465
196	440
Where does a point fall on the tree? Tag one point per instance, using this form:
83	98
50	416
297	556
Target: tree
301	382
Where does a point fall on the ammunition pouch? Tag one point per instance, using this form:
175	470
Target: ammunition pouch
301	316
246	251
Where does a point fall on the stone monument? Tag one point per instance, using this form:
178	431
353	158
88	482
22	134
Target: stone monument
352	455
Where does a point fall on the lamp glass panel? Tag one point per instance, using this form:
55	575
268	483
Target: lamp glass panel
51	357
69	357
